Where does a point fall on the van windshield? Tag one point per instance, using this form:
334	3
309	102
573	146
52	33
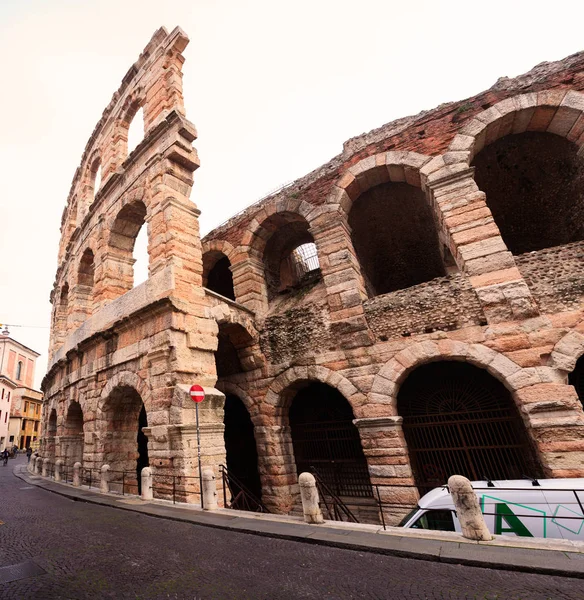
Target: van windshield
412	512
438	520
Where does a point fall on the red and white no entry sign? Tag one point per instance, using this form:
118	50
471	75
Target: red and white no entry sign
197	393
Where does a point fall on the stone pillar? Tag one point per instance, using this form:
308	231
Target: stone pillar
58	467
45	467
104	480
77	474
249	283
209	490
146	476
385	449
342	278
37	465
277	468
310	500
476	243
468	509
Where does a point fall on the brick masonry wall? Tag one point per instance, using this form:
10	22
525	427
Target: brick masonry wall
555	276
441	304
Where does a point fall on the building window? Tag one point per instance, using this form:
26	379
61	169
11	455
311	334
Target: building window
2	393
26	407
19	370
23	424
8	395
6	417
36	426
11	439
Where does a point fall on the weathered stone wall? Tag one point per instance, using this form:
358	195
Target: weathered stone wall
555	276
443	303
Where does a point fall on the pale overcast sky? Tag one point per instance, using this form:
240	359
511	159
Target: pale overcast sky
274	89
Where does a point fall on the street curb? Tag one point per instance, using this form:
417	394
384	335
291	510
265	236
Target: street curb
319	541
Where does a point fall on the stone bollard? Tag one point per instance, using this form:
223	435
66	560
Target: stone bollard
104	481
77	474
147	483
37	465
209	490
30	466
45	470
310	501
58	466
468	510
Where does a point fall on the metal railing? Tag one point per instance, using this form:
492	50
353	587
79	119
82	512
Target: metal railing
241	497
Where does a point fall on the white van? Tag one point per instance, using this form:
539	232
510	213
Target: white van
545	508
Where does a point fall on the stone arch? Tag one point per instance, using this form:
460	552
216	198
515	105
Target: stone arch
52	423
229	387
220	247
567	351
217	261
277	397
129	109
125	379
387	381
86	269
560	112
385	167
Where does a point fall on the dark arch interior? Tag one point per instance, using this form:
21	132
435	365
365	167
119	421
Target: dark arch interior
52	428
86	268
220	278
459	420
232	339
127	226
325	438
576	378
395	238
282	269
126	446
240	447
534	184
74	433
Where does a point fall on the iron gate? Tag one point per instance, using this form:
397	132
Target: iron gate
477	444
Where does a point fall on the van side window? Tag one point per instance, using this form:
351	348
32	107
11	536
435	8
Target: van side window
440	520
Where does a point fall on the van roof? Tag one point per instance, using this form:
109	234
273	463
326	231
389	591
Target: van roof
440	497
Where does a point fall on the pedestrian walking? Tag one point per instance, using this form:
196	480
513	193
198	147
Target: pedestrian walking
28	453
5	456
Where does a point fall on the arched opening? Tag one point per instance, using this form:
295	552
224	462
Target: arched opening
217	274
459	420
123	241
326	440
396	240
576	378
534	184
290	258
73	439
241	451
135	129
234	353
19	371
86	269
52	426
126	445
94	179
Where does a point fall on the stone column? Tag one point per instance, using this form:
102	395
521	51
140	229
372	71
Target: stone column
385	449
58	467
209	489
476	243
104	480
277	468
310	500
342	278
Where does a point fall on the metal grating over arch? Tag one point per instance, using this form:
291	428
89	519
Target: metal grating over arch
459	420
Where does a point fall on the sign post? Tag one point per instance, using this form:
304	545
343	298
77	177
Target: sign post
197	394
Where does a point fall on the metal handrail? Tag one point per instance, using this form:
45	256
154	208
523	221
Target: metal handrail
228	479
337	503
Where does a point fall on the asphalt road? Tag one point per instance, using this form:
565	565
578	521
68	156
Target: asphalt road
74	550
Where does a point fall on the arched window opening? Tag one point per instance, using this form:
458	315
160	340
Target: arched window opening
62	311
534	183
52	426
19	371
576	378
73	441
94	179
395	237
241	454
86	269
126	445
136	130
459	420
140	255
123	241
290	259
326	440
217	274
232	350
64	298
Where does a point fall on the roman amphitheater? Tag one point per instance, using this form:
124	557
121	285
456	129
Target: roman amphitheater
409	310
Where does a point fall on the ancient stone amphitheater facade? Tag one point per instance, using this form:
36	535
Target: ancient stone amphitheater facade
410	310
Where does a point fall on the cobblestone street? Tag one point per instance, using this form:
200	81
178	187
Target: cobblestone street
87	551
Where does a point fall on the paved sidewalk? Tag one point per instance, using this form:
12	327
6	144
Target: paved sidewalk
531	555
